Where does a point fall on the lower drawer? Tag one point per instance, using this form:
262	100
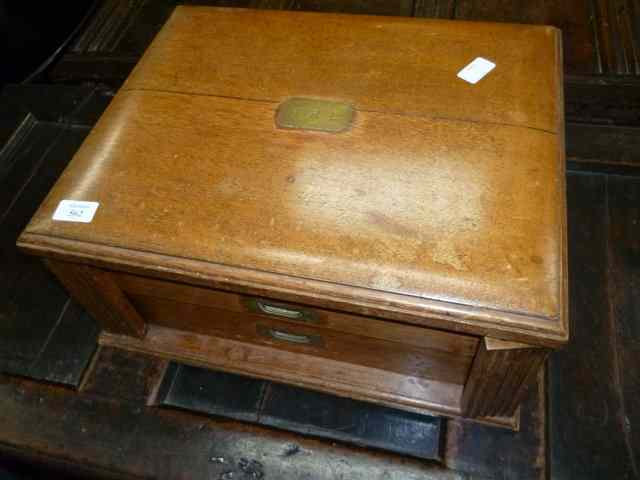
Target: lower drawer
428	360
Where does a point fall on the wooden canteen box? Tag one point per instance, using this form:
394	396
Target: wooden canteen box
321	200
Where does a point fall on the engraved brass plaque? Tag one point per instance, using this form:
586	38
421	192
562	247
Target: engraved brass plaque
314	114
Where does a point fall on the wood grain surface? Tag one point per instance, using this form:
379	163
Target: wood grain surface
144	287
448	361
333	376
250	54
404	215
461	202
97	291
454	207
499	378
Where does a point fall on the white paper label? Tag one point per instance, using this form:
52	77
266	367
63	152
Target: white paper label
476	70
75	211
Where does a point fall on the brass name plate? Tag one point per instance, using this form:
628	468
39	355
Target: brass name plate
314	114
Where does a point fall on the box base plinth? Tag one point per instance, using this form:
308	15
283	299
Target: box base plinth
415	394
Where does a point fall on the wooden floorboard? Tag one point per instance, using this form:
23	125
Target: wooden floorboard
603	124
54	104
600	36
574	17
42	333
129	439
602	100
603	148
351	421
304	411
617	36
444	9
486	452
369	7
113	425
212	393
593	382
623	248
69	348
123	376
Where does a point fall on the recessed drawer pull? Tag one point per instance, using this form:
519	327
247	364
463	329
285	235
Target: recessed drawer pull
278	311
290	337
282	310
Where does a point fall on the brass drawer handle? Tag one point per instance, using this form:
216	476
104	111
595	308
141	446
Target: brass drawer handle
289	337
278	311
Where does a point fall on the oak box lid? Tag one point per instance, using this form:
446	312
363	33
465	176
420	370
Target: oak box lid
444	195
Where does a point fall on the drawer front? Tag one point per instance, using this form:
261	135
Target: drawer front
301	315
305	338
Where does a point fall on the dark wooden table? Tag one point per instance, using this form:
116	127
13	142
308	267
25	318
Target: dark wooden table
105	413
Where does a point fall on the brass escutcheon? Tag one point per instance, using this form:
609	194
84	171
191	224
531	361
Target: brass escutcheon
314	114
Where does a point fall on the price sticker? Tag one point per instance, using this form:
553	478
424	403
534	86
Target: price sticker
476	70
75	211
